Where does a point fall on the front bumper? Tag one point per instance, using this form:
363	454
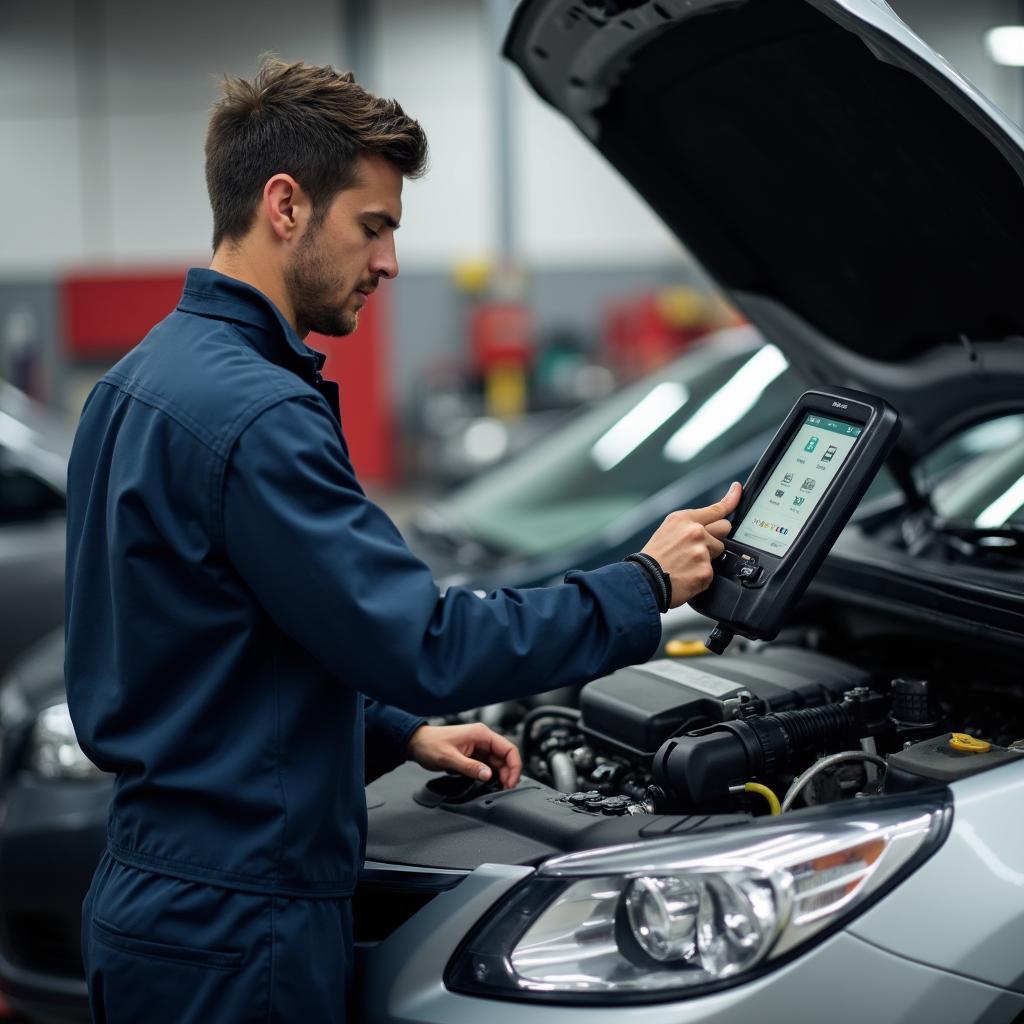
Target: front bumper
943	945
845	981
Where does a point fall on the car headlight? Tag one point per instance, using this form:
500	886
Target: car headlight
53	751
672	918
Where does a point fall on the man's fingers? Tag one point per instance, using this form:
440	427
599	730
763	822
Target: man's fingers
502	748
500	754
474	751
503	755
508	751
512	769
718	510
715	547
508	776
467	766
719	529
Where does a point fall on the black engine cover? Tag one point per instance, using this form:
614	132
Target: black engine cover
634	710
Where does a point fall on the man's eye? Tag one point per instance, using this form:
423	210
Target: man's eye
370	233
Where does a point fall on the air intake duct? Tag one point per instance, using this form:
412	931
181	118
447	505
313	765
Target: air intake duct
697	769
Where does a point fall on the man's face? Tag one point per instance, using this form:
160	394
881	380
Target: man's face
339	261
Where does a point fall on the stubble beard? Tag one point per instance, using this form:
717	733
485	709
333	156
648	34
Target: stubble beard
313	287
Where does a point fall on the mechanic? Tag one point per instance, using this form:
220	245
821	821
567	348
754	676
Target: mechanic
243	624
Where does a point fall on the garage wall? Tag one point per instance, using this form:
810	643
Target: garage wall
103	109
39	124
435	59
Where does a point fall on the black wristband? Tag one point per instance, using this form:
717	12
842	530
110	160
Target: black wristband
661	582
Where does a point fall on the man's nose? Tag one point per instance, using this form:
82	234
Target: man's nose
384	261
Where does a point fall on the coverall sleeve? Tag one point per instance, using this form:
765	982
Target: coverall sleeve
387	732
333	571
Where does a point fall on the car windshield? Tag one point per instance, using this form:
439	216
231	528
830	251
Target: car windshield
614	456
980	476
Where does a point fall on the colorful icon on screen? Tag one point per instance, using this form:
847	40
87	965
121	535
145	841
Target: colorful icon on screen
812	443
798	500
787	479
779	493
809	484
830	453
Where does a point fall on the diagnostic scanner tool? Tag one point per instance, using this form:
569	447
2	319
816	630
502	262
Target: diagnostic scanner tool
795	504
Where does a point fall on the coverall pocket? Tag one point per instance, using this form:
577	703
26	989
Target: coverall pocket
219	959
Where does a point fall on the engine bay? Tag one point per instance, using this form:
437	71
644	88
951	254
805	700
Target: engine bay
843	707
834	710
769	728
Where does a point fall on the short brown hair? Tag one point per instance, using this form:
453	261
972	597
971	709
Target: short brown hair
309	121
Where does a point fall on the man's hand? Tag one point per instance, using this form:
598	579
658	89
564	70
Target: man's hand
452	748
687	541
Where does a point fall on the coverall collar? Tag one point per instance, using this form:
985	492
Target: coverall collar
215	295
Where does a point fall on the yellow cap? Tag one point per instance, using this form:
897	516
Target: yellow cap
968	744
685	648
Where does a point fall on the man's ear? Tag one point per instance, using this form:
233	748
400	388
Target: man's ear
286	207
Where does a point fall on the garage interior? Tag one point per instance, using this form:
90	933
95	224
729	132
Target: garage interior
540	308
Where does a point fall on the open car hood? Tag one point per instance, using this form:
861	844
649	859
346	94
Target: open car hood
856	198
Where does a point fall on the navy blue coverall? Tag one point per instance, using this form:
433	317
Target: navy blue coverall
241	621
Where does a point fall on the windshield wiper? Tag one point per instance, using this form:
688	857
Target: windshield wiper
970	531
994	541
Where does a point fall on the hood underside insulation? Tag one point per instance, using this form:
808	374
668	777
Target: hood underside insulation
795	164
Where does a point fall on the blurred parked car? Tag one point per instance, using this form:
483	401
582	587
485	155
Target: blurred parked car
593	490
34	447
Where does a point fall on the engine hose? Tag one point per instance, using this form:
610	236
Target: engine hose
773	800
800	782
810	727
544	711
563	772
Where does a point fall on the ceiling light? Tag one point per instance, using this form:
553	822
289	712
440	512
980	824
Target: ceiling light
1005	45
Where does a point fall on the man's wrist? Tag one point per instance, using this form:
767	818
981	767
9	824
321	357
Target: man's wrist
659	580
413	733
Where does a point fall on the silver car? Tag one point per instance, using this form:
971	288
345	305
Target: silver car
34	446
826	827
